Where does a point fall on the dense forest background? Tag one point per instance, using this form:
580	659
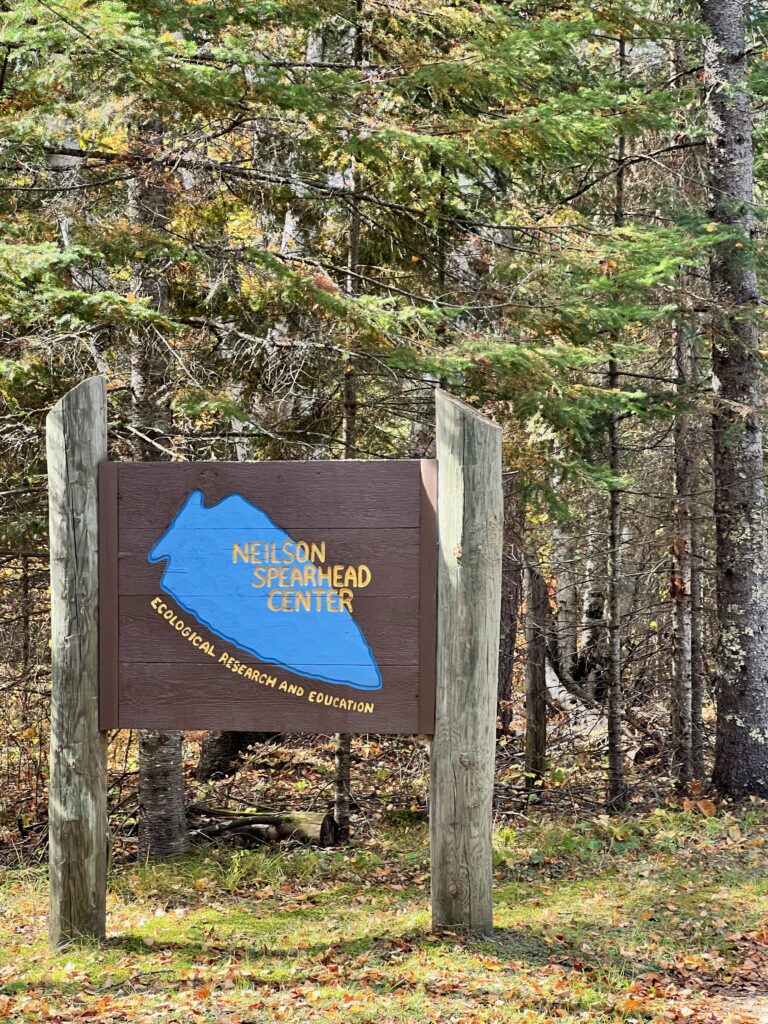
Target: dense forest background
276	228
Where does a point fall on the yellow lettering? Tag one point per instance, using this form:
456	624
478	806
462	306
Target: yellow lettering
302	551
350	576
345	599
363	576
259	577
272	573
241	552
273	593
288	550
338	576
317	552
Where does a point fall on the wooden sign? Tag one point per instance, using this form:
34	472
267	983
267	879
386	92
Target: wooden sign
287	596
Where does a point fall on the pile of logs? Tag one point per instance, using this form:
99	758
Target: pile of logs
252	828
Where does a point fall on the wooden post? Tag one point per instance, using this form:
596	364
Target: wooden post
470	517
76	431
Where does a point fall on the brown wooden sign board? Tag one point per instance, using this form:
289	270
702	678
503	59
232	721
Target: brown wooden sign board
287	596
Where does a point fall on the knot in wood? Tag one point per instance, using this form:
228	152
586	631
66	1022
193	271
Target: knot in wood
453	889
468	759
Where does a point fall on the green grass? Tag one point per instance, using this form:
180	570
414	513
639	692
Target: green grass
643	920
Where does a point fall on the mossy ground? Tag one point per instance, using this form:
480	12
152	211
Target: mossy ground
655	918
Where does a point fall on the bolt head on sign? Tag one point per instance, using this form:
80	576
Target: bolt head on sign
297	597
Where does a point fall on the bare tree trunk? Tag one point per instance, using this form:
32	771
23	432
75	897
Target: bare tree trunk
537	625
567	595
162	823
617	789
162	819
741	751
342	798
149	350
698	681
592	656
680	547
220	751
511	593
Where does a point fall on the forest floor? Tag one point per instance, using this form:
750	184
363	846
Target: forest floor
657	917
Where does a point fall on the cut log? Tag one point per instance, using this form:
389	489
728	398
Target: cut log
303	826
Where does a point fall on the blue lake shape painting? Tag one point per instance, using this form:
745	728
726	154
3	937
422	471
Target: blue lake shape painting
201	577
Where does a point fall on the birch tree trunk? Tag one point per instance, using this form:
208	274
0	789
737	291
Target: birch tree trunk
162	820
698	681
342	795
567	597
741	751
617	790
680	586
537	616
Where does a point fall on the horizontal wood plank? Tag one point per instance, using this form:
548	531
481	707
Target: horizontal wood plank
392	556
370	514
388	625
295	495
202	696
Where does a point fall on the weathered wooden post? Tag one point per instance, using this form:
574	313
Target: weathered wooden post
76	431
470	518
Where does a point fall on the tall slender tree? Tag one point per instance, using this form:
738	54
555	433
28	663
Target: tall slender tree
162	819
741	752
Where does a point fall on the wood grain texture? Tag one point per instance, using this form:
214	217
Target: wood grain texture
390	625
427	597
76	437
470	517
374	495
375	513
109	599
207	696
